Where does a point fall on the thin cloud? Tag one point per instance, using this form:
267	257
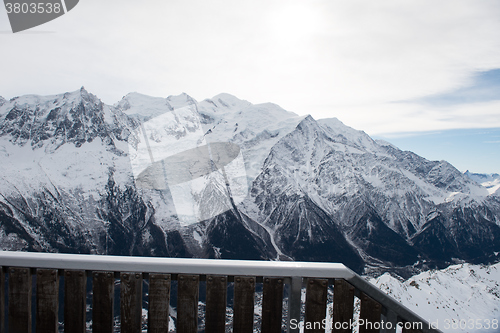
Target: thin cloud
485	86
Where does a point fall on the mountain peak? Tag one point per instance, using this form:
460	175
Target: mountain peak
182	100
228	101
77	96
338	129
76	117
307	122
143	106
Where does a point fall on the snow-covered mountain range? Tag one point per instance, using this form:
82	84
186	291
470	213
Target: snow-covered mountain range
82	176
490	181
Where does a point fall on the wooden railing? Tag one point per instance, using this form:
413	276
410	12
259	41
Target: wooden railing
32	285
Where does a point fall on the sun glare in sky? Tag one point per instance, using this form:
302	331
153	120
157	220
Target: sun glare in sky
295	22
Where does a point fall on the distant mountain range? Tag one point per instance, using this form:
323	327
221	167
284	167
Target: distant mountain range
85	177
491	181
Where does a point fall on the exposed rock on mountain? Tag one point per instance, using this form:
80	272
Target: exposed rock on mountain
299	188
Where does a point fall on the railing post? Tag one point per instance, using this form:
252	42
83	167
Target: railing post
243	304
20	290
187	303
47	300
316	298
2	300
392	318
294	301
272	305
343	306
215	313
159	303
369	314
75	288
130	302
102	302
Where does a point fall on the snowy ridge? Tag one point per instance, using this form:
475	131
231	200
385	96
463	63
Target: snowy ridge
340	131
466	294
255	128
146	107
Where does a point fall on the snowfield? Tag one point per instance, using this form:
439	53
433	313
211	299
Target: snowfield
460	298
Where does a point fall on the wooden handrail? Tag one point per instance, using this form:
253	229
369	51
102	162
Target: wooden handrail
100	275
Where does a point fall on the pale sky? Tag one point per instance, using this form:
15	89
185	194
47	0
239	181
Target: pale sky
382	66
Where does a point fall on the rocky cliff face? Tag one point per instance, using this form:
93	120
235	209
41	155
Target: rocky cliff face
309	190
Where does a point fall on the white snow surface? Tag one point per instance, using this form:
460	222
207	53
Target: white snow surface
147	107
224	118
465	294
359	138
255	128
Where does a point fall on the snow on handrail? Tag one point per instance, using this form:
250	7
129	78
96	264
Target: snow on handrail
175	265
